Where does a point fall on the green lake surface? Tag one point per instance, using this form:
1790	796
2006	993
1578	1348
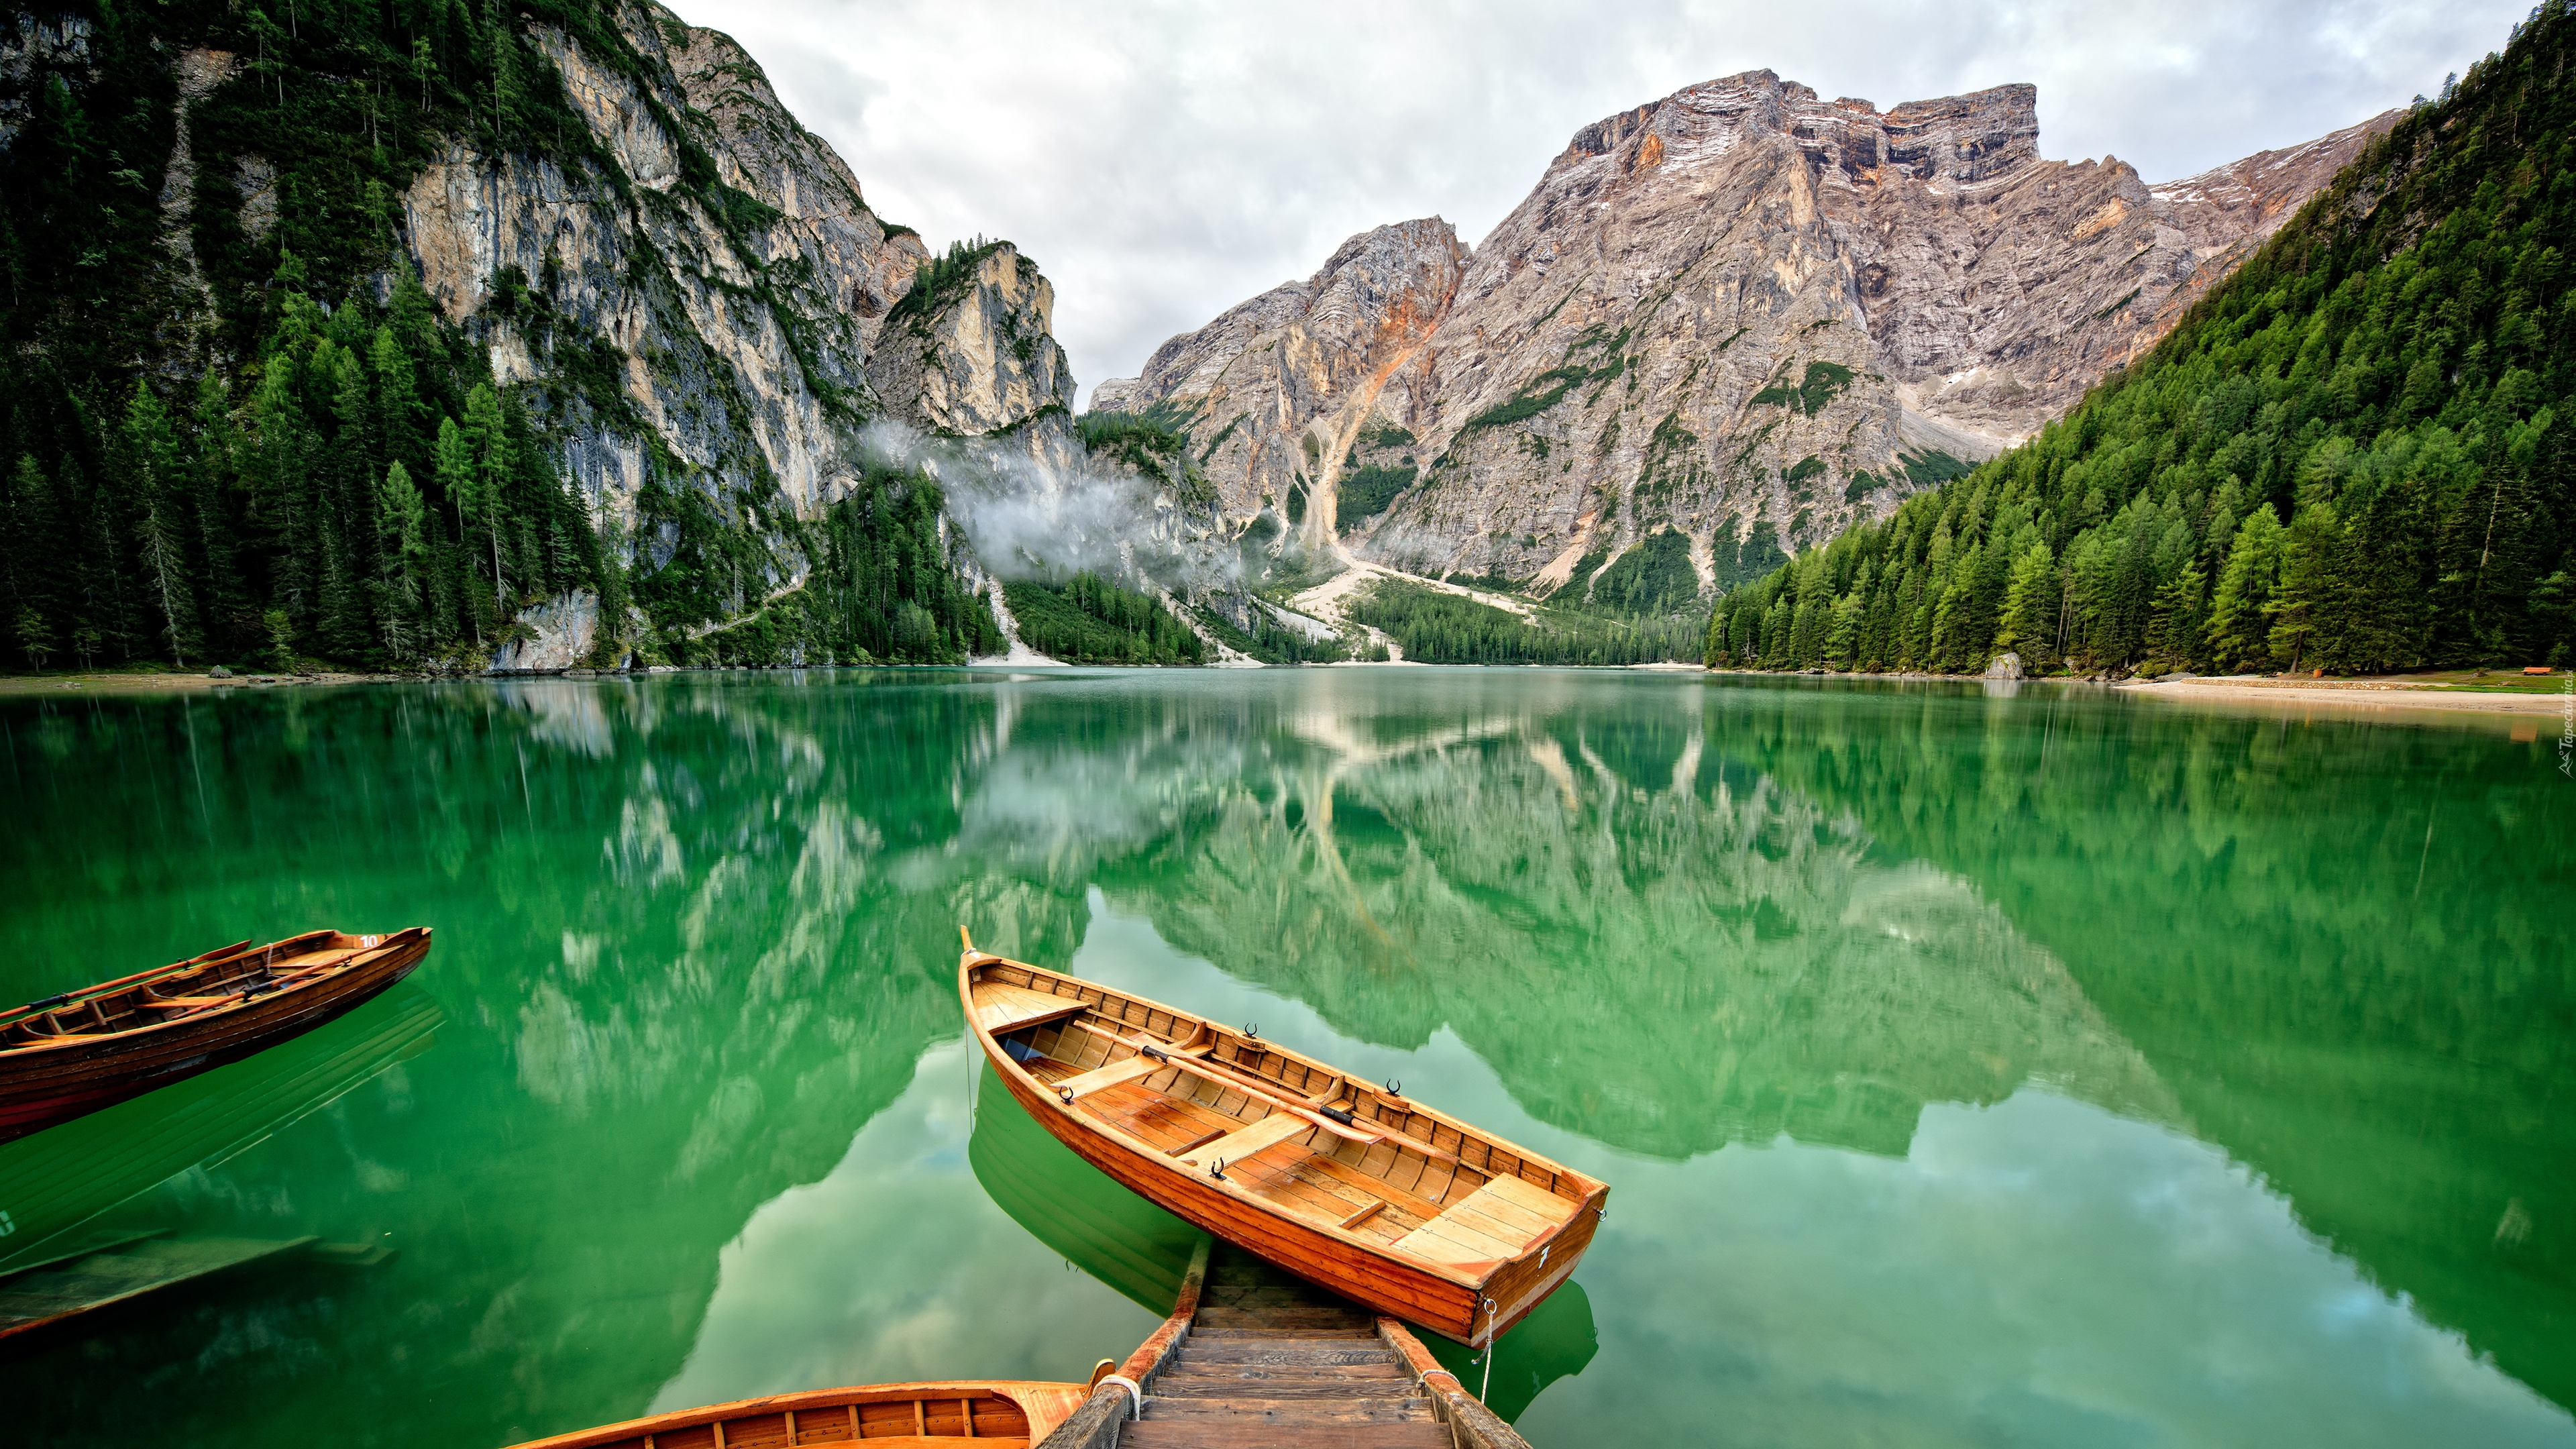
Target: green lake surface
2019	1069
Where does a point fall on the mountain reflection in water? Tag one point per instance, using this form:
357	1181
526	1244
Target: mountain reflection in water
1921	1032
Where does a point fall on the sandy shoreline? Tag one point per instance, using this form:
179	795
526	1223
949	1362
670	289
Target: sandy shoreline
2358	694
2355	695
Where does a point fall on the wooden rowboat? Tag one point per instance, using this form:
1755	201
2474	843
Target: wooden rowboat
990	1413
1353	1188
86	1049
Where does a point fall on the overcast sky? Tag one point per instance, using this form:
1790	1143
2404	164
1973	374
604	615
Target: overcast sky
1164	161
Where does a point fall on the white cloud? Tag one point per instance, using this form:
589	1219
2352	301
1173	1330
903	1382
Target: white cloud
1164	160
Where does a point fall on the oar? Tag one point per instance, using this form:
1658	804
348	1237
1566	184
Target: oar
56	1003
1199	1058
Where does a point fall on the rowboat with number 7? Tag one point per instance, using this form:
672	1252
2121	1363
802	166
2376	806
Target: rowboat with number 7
72	1054
1352	1187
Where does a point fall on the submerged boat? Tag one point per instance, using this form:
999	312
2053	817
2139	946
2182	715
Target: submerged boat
83	1050
1352	1187
998	1413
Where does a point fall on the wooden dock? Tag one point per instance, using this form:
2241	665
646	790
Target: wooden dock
1252	1358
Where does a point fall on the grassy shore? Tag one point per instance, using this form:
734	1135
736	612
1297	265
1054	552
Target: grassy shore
146	679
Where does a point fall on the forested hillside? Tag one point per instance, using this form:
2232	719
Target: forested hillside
235	428
1435	627
2353	455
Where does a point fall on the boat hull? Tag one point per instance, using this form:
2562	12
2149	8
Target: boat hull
1003	1412
1472	1313
41	1087
1417	1297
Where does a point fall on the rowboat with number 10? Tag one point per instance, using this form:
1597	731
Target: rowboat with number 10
994	1413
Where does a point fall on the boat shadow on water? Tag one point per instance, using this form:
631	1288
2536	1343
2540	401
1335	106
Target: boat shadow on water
63	1238
1143	1252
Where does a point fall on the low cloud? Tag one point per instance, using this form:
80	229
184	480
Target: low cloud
1029	519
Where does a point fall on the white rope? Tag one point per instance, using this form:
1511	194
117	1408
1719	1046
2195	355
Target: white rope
1135	1395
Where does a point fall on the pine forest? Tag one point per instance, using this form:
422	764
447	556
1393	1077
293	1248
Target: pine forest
2353	455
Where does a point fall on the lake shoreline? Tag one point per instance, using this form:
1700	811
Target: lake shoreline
2354	695
2349	694
2344	693
24	686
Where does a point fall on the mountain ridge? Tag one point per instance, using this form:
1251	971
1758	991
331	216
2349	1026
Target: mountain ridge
2350	455
1797	210
550	335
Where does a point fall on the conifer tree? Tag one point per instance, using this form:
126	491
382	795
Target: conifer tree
402	517
227	613
2307	584
2240	621
32	563
2030	602
158	484
485	485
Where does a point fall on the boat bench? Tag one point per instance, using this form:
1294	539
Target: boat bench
1489	1225
1235	1146
1100	1079
1001	1008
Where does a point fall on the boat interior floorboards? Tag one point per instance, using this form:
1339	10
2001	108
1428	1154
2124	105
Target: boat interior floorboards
1296	1175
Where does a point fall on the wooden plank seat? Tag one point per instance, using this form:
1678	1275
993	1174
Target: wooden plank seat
1001	1009
1234	1146
1489	1225
1309	1183
1100	1079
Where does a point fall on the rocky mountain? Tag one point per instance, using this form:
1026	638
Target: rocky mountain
519	339
537	337
743	326
972	353
2349	455
1284	381
1742	313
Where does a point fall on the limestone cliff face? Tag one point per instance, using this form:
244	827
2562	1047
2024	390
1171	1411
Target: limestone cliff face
1286	383
1742	312
2223	214
739	341
975	356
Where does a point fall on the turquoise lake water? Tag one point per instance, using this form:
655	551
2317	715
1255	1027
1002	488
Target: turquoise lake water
2052	1068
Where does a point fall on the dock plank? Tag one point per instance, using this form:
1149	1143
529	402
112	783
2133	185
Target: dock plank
1272	1360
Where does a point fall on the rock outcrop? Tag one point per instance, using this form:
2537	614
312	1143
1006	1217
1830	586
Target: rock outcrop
738	340
560	633
1742	312
1286	383
973	354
